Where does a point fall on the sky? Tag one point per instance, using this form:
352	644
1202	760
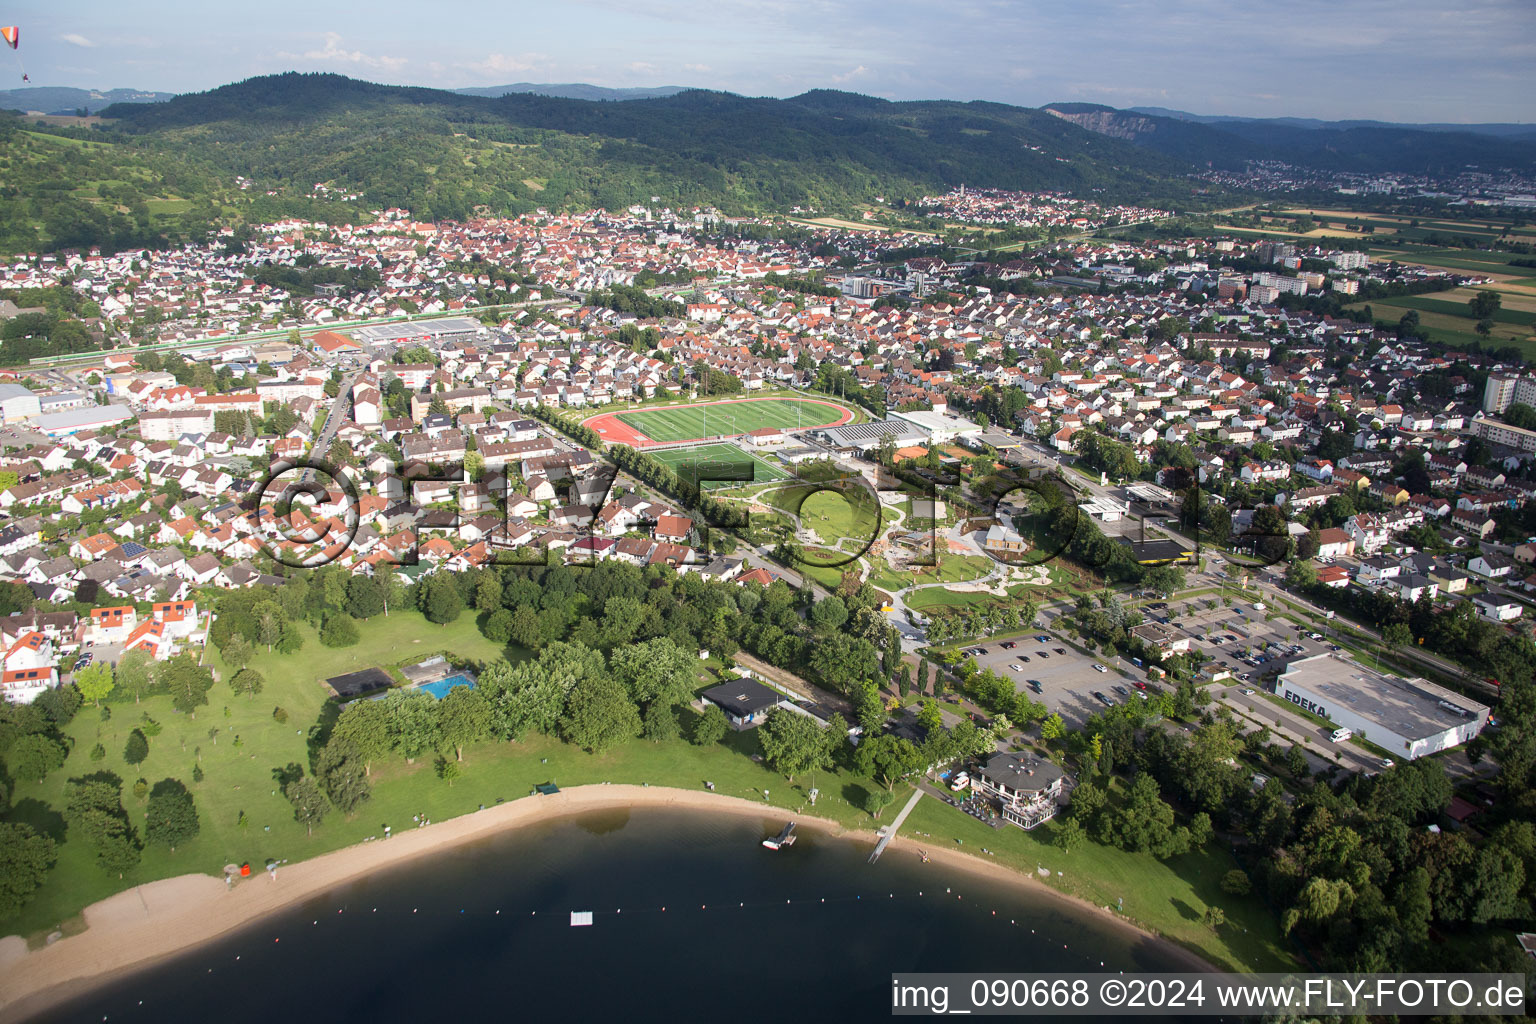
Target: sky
1393	60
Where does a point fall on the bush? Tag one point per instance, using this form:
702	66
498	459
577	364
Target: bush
1236	883
279	714
339	631
98	752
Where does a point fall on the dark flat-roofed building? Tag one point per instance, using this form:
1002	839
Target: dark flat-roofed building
745	701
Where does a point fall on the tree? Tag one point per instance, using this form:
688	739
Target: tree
413	723
1165	579
365	597
1052	728
33	756
237	652
171	816
498	626
655	671
248	681
829	614
929	716
877	800
794	744
442	603
1214	917
343	775
1484	304
1236	883
488	592
710	727
187	682
308	802
25	858
95	681
463	717
364	725
94	810
339	631
448	770
137	748
659	723
1069	834
598	714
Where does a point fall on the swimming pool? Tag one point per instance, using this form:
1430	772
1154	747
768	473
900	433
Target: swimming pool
440	689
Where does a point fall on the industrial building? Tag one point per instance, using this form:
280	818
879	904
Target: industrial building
417	331
1408	717
17	403
865	437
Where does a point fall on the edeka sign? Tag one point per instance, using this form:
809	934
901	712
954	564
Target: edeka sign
1311	705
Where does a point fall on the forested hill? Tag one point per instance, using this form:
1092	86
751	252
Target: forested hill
443	154
1363	147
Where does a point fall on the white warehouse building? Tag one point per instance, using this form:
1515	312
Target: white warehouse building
1408	717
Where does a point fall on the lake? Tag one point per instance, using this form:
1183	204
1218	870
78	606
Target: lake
691	916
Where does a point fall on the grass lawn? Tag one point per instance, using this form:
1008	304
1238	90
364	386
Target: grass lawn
401	638
833	512
827	575
951	569
938	597
682	423
732	465
1169	897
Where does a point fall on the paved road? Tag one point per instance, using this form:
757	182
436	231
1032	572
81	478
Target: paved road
335	416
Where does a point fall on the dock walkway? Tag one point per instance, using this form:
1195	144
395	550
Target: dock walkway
888	832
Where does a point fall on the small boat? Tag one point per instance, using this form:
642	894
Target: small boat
783	839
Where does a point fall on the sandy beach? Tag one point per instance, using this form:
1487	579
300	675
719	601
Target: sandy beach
151	922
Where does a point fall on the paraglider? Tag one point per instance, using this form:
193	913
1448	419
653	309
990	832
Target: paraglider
12	36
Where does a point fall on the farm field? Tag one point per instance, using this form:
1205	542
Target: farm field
726	461
663	425
1454	304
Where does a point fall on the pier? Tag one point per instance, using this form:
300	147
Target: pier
888	832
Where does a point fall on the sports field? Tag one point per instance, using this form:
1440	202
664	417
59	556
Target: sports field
665	425
720	465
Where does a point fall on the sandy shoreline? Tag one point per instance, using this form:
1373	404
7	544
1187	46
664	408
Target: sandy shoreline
157	920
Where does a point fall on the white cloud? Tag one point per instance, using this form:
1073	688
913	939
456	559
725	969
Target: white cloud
700	68
77	39
333	51
506	63
858	72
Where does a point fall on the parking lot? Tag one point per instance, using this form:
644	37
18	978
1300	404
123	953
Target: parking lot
1067	678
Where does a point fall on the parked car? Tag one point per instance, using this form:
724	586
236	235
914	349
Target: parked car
1059	650
1099	696
1023	657
1387	762
1045	654
1122	691
1246	691
1138	684
1034	684
1017	668
1008	645
1099	668
959	782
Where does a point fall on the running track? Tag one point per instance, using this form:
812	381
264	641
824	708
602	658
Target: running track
615	431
